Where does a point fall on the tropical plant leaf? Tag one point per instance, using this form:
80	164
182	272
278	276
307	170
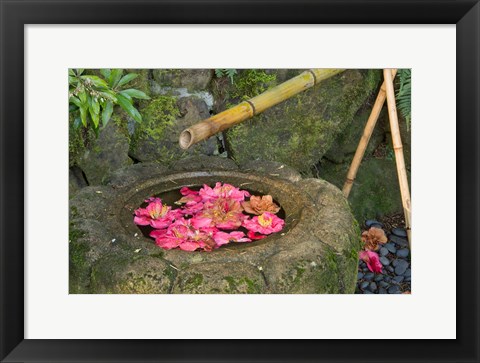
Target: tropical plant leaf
75	101
219	73
127	78
126	104
105	72
135	93
97	81
83	114
115	76
79	71
107	113
404	94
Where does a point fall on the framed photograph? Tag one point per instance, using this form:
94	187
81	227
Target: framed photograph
189	210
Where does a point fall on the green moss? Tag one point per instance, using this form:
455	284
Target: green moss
160	113
250	83
194	282
242	285
79	269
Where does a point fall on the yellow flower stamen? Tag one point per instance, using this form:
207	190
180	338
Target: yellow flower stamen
263	221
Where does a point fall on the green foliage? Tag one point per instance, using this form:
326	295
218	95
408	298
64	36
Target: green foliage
230	73
91	98
404	94
252	82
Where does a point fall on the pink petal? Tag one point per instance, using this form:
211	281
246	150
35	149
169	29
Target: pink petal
141	221
200	222
189	246
254	236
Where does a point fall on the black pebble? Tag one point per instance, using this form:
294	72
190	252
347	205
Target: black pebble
373	223
394	289
384	284
360	275
403	253
385	261
382	291
373	286
398	279
369	276
383	251
400	232
378	278
401	267
364	284
390	247
402	242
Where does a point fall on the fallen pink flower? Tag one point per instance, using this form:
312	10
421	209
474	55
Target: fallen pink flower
222	191
156	214
191	208
189	197
372	260
223	238
224	213
265	223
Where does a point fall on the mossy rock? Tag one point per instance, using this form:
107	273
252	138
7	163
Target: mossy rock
345	145
191	79
375	192
316	252
302	129
164	118
108	152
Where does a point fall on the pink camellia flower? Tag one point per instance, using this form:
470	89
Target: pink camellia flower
372	260
190	197
224	213
222	238
265	223
156	214
191	209
225	191
184	235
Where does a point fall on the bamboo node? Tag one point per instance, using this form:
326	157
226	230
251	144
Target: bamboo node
254	111
314	76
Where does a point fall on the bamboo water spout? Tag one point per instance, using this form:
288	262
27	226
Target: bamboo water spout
254	106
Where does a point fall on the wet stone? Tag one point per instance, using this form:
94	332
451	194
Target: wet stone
384	284
369	276
387	278
395	263
360	275
378	278
383	251
402	242
395	289
408	279
385	261
389	268
367	292
408	272
370	223
401	267
398	279
382	291
403	253
390	247
364	284
373	286
400	232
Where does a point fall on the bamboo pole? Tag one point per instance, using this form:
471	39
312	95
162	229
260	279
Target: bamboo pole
254	106
364	140
398	148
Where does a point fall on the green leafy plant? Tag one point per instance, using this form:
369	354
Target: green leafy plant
230	73
404	94
92	98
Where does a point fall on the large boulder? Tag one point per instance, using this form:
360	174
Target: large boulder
302	129
164	118
108	152
316	252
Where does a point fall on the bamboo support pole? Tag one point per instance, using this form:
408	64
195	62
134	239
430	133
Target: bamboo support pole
398	148
364	140
254	106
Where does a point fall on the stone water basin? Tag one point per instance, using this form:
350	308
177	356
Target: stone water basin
316	252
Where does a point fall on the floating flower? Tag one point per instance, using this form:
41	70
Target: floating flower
190	197
156	214
222	238
184	235
223	213
372	260
265	223
223	191
373	237
258	205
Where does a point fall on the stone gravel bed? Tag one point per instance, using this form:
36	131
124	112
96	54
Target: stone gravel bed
396	271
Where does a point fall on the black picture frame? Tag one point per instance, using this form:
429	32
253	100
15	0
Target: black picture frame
15	14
